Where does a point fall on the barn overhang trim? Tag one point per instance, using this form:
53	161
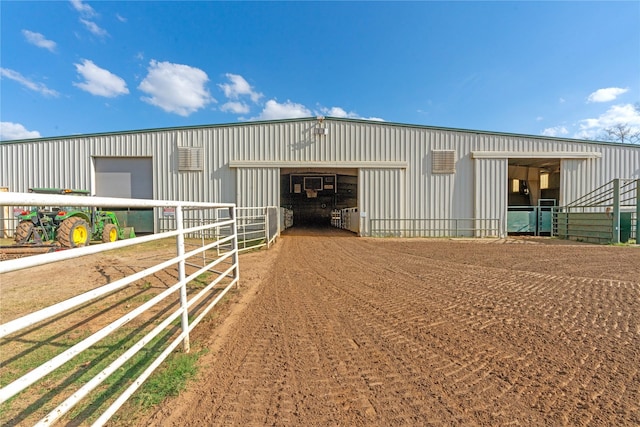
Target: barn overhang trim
536	155
353	165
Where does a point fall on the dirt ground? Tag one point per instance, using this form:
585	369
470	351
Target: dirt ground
333	330
351	331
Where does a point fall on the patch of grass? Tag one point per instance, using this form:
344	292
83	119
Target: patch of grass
146	285
631	242
201	281
249	245
169	380
43	396
33	348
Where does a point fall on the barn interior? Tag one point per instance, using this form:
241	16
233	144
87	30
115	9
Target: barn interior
534	188
313	193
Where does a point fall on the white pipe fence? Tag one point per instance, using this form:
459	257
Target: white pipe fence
346	219
257	226
219	269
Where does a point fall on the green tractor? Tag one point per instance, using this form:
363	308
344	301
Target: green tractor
70	227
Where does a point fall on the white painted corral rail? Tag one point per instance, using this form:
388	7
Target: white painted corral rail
221	270
256	226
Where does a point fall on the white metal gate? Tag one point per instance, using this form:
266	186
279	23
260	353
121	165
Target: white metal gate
221	272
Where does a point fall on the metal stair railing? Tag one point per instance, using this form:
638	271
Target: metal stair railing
618	197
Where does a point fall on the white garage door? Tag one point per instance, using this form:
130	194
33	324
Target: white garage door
128	177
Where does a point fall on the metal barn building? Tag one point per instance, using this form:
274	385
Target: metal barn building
397	177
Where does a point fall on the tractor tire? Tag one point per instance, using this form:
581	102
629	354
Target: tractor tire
109	233
73	233
23	232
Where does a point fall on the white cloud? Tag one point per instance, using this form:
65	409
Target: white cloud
120	18
100	82
562	100
94	28
237	87
235	107
37	87
39	40
341	113
617	114
86	14
555	131
273	110
11	131
176	88
606	94
83	8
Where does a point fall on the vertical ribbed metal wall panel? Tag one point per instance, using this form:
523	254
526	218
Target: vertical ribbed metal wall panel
66	162
491	193
381	195
579	177
258	187
44	164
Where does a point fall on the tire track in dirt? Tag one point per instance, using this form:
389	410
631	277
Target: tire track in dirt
443	358
373	332
543	287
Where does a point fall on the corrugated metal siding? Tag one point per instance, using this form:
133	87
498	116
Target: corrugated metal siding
45	164
381	195
579	177
434	196
67	162
258	187
491	192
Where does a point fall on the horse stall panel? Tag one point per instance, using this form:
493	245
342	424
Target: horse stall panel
593	227
521	220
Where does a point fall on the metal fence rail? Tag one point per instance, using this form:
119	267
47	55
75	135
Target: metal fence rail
435	227
608	214
346	219
221	275
256	226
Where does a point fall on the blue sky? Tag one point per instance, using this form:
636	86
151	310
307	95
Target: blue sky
565	68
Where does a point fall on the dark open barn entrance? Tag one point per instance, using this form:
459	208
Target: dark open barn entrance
312	194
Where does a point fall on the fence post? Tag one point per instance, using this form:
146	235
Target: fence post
234	245
637	211
267	236
616	210
182	278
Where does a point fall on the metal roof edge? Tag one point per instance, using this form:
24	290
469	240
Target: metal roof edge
484	132
327	118
161	129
